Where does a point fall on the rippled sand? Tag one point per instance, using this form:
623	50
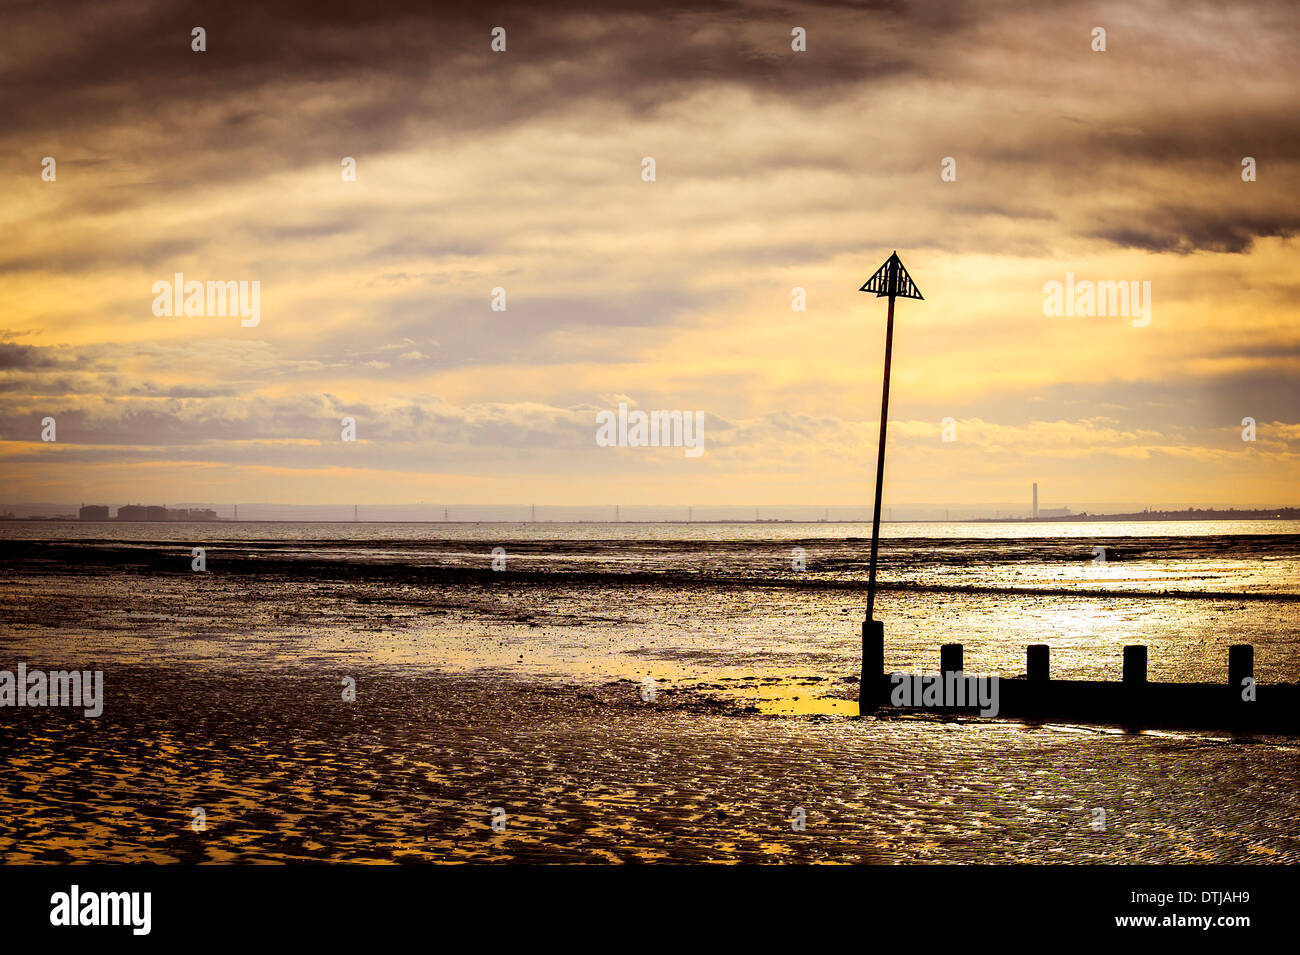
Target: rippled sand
412	771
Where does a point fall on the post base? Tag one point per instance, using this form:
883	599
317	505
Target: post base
871	684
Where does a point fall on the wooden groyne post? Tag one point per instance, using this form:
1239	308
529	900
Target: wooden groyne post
1038	666
1135	666
1241	665
871	686
1134	700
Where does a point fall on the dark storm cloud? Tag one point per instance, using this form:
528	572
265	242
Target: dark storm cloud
284	84
98	63
14	356
1189	230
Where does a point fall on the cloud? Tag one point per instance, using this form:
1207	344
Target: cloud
522	171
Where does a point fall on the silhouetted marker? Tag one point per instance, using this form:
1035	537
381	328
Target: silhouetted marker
890	280
950	658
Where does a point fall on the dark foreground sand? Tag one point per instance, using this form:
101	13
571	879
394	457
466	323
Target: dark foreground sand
285	770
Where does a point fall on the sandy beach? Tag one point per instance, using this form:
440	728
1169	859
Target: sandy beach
526	696
414	769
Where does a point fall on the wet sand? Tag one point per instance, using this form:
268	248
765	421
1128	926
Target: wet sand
413	769
477	691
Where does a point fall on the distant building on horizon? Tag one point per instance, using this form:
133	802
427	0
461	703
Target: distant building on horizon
1047	511
141	512
157	512
93	512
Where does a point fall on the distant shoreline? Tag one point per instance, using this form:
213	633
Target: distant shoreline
1282	514
1194	514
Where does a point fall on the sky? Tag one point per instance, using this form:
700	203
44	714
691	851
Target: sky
524	170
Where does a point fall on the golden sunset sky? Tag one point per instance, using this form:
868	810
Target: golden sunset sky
522	169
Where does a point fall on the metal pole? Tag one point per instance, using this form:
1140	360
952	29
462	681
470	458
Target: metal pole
880	456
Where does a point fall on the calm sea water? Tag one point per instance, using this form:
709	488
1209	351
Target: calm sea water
784	593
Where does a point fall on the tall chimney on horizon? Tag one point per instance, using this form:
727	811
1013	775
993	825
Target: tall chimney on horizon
1035	500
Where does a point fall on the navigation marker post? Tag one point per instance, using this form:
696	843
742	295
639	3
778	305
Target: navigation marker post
891	280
